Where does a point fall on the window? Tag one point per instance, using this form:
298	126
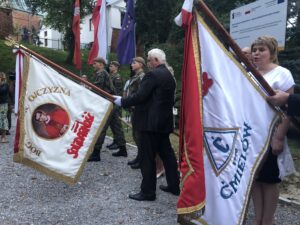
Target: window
46	42
91	25
45	33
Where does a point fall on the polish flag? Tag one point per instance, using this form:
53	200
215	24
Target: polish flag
76	31
184	18
99	48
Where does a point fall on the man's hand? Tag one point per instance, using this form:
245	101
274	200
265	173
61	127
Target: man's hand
117	100
280	98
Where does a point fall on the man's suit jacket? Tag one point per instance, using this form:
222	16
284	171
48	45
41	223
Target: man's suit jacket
294	105
154	101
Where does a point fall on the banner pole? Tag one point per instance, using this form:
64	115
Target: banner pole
67	72
202	7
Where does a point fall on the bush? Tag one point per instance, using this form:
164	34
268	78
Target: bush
290	58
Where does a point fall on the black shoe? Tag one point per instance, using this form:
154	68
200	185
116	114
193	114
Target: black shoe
114	146
121	152
174	191
7	132
135	166
94	158
111	144
134	161
142	197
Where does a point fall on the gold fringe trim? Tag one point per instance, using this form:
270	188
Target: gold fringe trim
19	156
191	219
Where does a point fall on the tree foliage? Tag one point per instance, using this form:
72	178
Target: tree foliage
154	19
59	15
293	24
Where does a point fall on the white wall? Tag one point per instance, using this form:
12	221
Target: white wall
113	20
52	37
86	33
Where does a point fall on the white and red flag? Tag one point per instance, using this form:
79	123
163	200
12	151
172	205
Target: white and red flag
18	83
99	47
225	129
59	122
185	16
76	32
192	195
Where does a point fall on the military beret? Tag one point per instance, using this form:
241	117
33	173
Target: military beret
100	60
115	63
140	60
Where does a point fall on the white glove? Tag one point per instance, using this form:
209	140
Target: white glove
117	100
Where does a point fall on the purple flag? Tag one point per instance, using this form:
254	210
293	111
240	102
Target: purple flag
126	42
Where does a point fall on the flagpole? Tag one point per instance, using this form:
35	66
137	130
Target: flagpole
201	6
67	72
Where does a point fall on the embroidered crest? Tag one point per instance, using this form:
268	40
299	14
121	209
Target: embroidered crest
220	145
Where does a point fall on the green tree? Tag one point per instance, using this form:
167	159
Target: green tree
153	20
293	24
59	15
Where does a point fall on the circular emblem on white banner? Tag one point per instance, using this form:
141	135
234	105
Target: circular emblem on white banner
50	121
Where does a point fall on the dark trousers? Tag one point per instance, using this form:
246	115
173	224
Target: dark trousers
152	143
136	137
116	126
9	111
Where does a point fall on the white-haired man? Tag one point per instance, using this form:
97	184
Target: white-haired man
153	103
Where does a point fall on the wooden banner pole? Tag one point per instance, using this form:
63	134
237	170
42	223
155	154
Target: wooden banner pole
67	72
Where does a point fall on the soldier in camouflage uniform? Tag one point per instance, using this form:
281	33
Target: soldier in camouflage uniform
103	81
115	123
137	66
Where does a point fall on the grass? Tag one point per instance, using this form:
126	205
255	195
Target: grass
7	60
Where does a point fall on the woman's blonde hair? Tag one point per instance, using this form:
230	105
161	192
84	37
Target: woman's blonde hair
3	75
271	44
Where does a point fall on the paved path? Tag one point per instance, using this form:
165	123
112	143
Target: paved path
28	197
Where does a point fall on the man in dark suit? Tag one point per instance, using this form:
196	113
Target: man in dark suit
153	103
282	98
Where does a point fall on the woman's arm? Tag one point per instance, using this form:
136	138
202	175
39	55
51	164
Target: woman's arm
280	133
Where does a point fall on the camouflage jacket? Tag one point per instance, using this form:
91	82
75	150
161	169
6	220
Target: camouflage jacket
118	83
103	81
135	83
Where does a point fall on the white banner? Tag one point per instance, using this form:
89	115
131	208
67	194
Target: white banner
60	121
263	17
237	129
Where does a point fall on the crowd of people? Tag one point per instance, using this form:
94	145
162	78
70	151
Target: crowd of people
148	97
151	114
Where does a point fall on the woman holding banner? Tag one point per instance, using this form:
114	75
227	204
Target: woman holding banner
4	89
265	191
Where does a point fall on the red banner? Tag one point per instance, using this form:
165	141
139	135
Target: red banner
192	196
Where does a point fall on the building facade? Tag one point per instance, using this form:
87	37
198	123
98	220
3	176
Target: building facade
17	20
115	10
